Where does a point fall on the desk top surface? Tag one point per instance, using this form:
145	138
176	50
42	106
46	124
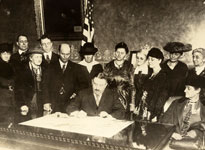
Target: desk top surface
102	134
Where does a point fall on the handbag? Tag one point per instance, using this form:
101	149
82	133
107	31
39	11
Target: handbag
186	143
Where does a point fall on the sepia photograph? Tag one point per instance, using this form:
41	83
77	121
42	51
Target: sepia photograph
102	75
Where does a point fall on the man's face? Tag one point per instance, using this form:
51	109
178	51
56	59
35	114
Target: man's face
120	54
174	57
198	59
22	43
64	53
88	58
36	59
99	85
46	45
5	56
191	92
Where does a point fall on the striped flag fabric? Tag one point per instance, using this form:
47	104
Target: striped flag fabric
88	28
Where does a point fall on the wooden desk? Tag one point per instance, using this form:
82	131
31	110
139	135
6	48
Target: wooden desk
18	137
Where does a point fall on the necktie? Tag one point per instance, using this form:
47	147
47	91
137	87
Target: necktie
97	99
47	59
23	56
63	68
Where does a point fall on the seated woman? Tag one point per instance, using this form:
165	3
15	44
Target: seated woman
154	90
198	56
187	113
119	73
6	82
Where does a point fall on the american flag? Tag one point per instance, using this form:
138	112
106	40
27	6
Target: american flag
88	28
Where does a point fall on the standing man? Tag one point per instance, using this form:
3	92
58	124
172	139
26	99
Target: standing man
62	81
18	61
31	80
89	67
48	55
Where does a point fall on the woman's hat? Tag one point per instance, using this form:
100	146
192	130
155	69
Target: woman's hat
156	53
88	49
195	80
36	50
177	47
6	47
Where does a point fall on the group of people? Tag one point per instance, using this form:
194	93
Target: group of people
38	80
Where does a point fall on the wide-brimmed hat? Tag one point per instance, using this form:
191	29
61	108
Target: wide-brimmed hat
36	50
177	47
88	49
6	47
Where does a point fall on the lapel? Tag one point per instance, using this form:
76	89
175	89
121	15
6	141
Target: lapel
202	112
91	99
103	98
68	67
202	73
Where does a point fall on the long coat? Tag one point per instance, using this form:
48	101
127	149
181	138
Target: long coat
174	115
6	84
109	103
58	87
27	88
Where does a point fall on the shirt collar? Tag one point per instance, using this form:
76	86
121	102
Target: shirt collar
143	68
49	54
20	51
199	69
62	63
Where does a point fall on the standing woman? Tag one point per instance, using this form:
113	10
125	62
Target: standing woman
6	82
119	72
154	90
175	69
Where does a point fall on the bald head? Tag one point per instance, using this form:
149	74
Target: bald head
64	52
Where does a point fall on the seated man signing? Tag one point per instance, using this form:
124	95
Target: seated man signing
96	101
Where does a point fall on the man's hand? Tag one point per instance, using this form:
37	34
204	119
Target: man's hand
176	136
104	114
24	110
192	134
79	114
61	115
47	107
73	96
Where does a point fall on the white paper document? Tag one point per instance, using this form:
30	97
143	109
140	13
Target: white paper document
96	126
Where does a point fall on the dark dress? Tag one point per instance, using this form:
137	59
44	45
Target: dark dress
6	92
121	79
156	88
176	78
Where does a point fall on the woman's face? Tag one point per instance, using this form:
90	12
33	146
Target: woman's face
120	54
191	92
5	56
174	57
198	59
153	62
140	59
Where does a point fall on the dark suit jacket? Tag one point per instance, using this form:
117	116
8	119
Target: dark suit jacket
54	58
174	115
88	76
27	87
55	79
109	102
